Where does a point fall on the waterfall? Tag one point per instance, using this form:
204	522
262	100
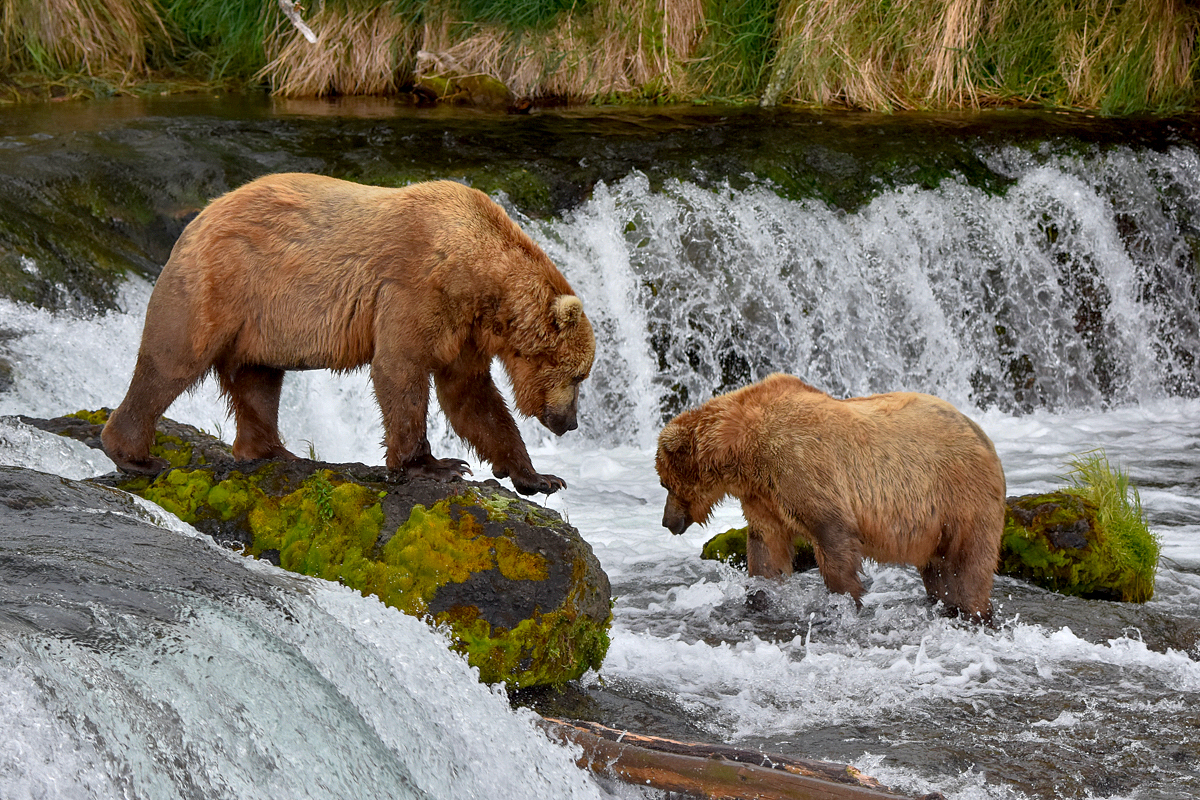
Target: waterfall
1074	286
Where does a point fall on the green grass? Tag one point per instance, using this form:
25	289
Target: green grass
733	57
518	15
222	39
1128	544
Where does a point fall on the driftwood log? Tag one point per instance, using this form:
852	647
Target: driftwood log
715	772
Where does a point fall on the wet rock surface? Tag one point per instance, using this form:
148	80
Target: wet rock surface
519	589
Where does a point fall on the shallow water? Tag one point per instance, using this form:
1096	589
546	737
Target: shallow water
1035	307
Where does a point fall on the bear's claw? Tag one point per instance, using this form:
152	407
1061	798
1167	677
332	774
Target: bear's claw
439	469
541	484
148	466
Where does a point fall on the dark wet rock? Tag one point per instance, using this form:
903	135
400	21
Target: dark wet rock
522	594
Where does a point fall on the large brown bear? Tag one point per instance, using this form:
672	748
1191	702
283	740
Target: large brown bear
300	271
899	478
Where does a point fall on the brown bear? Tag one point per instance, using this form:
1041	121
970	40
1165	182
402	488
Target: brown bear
296	271
899	478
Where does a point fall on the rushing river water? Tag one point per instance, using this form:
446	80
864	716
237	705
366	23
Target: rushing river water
1040	272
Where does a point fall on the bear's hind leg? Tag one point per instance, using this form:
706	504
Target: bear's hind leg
838	551
129	432
253	393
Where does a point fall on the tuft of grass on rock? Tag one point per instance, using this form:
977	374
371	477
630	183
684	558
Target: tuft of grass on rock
1129	546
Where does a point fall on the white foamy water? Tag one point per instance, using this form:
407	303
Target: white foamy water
1092	698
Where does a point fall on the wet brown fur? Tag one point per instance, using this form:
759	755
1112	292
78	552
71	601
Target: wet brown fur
898	478
297	271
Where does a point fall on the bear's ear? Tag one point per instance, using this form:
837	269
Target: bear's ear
567	309
675	439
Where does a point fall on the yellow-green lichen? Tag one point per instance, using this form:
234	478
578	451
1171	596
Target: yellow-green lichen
546	649
435	547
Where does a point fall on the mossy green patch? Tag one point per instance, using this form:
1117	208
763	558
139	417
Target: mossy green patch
182	492
98	417
1088	540
322	529
439	545
332	528
730	547
547	649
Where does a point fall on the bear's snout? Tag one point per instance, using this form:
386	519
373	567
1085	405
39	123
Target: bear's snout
559	422
675	517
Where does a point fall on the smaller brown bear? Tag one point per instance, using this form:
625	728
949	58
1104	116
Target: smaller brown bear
899	478
429	281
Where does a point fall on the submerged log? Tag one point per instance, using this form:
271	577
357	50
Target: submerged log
521	593
713	771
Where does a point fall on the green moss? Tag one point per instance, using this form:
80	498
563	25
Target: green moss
545	649
182	492
1088	540
331	529
730	547
94	417
436	546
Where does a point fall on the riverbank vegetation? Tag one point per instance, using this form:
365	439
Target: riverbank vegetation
1112	56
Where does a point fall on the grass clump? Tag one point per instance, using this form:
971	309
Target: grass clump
1128	544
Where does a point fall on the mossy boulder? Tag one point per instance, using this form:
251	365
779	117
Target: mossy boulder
730	547
520	592
483	91
1089	540
1056	541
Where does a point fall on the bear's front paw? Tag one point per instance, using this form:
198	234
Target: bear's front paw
534	483
150	465
439	469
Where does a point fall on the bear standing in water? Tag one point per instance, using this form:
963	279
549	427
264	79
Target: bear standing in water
297	271
900	478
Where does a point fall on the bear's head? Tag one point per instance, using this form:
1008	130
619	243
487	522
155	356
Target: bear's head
692	489
546	374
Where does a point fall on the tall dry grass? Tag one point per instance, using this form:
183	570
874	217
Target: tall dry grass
610	47
360	50
96	38
1113	55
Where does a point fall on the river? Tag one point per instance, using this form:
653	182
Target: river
1039	271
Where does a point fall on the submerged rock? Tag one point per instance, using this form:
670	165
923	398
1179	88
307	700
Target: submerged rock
520	592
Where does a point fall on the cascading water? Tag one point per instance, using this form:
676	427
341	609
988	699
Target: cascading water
1033	299
1055	300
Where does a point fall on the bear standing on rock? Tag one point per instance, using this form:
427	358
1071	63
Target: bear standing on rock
899	478
298	271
